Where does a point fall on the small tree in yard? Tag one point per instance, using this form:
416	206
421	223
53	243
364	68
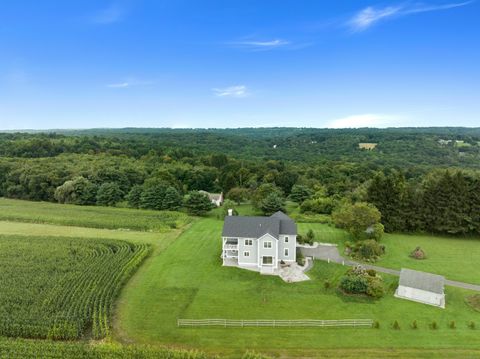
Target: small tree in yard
310	235
198	203
272	203
109	194
360	219
238	194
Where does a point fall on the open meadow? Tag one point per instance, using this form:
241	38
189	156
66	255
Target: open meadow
188	281
182	277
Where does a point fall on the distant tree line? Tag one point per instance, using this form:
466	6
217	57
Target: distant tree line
443	201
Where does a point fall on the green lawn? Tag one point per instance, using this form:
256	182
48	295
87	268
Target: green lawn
188	281
455	258
90	216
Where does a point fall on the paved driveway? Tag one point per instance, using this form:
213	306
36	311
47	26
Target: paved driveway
330	253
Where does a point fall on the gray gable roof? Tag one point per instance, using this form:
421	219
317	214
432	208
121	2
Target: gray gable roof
255	227
421	280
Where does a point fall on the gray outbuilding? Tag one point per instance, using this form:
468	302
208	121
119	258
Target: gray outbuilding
421	287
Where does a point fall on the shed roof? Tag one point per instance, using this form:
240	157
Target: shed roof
255	227
421	280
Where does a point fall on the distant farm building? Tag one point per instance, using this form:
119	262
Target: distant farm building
215	198
444	142
421	287
367	146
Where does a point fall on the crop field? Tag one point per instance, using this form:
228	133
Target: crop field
90	216
188	281
34	349
62	288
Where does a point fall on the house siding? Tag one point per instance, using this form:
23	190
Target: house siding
253	249
292	248
268	252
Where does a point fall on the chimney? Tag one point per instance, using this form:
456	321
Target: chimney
230	212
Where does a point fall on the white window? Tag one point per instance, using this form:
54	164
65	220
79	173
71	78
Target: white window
246	254
248	242
286	252
267	244
286	239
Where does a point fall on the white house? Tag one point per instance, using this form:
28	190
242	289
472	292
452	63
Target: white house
259	243
215	198
421	287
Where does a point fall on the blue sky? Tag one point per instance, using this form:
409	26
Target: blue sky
239	63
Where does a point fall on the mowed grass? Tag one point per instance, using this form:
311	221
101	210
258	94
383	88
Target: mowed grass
90	216
188	281
456	258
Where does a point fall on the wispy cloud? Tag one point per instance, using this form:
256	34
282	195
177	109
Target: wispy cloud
232	91
370	16
131	82
119	85
115	12
259	45
364	120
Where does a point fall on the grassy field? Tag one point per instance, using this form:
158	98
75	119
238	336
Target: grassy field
187	281
90	216
455	258
183	277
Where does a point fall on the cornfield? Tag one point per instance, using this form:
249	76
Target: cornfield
62	288
33	349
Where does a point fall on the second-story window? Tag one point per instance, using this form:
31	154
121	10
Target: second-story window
267	244
286	239
248	242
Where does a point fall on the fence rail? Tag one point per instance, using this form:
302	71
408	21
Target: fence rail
353	323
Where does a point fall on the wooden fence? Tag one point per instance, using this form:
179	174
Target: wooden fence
226	323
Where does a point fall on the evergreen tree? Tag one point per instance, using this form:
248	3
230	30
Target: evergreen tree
172	199
198	203
152	197
109	194
272	203
134	196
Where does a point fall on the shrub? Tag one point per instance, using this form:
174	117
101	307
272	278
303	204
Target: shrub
452	325
434	325
471	325
359	281
310	235
418	253
375	288
327	284
367	250
300	259
414	325
354	284
395	325
376	324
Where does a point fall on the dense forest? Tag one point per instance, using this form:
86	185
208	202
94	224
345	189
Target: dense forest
407	175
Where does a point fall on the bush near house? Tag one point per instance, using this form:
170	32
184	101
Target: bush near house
418	253
368	250
357	280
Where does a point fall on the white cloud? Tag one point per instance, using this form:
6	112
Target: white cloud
256	45
112	14
232	91
119	85
365	120
370	15
130	82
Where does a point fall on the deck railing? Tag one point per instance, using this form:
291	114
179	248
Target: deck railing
226	323
230	246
